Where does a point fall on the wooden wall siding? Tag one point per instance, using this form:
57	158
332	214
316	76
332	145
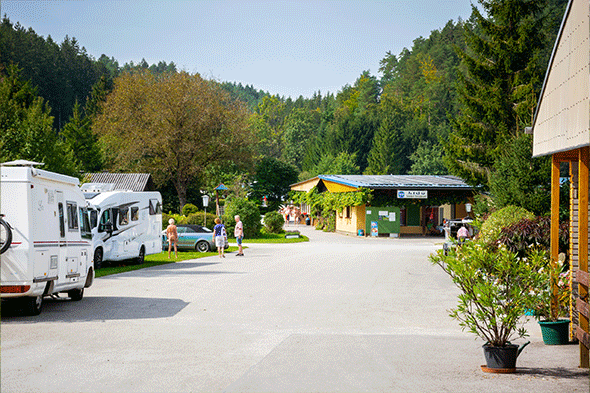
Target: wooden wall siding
573	245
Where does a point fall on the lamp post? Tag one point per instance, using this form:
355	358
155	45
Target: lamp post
205	204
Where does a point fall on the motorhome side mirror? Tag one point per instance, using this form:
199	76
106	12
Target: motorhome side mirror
108	227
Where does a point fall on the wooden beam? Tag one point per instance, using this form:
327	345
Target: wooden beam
554	235
582	307
564	156
582	277
583	337
583	245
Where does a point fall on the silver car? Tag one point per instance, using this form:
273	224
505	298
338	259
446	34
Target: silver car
193	237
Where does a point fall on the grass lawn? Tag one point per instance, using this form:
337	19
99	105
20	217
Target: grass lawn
275	238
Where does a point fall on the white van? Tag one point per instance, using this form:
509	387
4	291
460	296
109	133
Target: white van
124	224
45	245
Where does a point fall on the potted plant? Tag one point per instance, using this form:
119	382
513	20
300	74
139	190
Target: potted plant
495	285
553	303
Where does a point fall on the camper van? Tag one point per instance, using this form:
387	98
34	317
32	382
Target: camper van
45	244
124	224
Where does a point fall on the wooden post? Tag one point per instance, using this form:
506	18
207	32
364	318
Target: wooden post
554	241
583	247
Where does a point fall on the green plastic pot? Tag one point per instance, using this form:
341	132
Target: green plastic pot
555	332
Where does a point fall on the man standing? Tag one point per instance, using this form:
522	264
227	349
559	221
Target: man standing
239	234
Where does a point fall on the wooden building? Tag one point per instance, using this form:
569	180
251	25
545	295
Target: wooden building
561	128
405	204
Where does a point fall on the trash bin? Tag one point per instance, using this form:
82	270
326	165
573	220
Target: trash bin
307	220
361	232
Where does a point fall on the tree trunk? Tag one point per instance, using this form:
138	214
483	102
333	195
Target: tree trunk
181	191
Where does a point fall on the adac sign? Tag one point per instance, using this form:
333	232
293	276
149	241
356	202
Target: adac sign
412	194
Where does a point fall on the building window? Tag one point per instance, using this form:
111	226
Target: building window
347	212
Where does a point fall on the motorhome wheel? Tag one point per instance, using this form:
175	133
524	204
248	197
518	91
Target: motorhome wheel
76	294
141	256
5	236
33	305
202	246
98	258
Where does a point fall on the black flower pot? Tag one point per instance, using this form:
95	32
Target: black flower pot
501	359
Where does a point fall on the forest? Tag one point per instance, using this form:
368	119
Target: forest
454	103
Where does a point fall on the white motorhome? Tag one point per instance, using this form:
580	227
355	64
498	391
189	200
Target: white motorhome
124	224
45	245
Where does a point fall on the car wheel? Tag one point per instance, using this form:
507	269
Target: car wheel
202	246
33	305
76	294
97	258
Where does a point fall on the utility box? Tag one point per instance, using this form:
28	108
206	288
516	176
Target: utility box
382	221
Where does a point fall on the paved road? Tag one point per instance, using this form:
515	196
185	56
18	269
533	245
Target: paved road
338	313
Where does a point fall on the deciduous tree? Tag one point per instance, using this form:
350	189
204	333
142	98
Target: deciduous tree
173	126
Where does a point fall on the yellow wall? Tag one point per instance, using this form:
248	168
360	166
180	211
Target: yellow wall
352	224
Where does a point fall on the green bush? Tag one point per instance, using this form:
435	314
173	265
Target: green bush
189	209
492	226
198	218
496	289
249	214
273	222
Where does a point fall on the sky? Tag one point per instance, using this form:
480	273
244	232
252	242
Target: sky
289	48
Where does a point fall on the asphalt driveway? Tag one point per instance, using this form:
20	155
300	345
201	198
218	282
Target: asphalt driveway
338	313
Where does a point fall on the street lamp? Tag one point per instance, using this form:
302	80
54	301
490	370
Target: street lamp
205	204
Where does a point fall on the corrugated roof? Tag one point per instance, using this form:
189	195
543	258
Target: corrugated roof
398	181
124	181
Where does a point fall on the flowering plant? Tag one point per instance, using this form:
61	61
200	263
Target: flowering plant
496	288
554	293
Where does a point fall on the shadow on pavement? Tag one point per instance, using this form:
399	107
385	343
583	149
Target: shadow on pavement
94	308
554	372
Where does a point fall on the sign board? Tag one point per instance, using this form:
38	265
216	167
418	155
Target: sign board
412	194
374	228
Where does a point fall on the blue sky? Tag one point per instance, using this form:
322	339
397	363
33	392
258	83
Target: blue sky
289	48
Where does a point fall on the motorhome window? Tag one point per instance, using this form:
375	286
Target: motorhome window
93	218
123	215
104	218
155	207
134	213
85	223
72	215
62	225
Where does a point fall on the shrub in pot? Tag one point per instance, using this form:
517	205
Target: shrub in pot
553	303
554	291
496	291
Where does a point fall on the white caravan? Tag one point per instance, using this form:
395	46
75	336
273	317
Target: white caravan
124	224
45	245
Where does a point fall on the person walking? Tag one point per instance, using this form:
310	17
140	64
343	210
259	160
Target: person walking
219	237
239	234
172	235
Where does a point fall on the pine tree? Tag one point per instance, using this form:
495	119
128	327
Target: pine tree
78	135
501	68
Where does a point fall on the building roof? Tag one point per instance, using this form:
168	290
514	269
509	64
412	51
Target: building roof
123	181
351	182
561	122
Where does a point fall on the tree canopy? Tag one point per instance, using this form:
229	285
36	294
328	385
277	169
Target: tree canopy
173	126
